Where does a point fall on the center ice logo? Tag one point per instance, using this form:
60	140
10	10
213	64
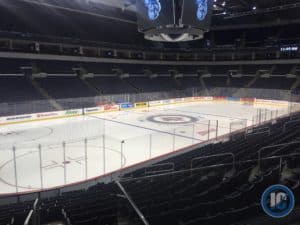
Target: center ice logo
172	119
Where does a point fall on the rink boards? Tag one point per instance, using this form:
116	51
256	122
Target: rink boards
259	103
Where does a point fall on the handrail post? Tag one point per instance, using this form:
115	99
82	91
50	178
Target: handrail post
140	214
86	158
41	165
15	168
64	159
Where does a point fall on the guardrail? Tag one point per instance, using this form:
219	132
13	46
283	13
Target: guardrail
142	106
258	103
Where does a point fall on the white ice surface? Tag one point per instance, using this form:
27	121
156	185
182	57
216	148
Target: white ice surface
142	139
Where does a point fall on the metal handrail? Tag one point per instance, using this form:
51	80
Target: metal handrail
289	122
171	164
212	156
28	218
35	204
274	146
208	167
140	214
260	130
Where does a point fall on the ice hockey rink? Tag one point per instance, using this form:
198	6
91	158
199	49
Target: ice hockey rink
47	154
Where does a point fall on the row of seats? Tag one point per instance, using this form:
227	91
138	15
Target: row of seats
211	190
19	88
274	82
202	196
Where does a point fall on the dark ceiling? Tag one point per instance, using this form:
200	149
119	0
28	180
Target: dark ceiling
115	20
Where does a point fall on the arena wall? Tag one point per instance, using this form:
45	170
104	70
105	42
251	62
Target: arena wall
257	103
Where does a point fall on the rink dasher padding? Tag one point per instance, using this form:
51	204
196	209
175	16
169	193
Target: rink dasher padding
40	116
111	176
45	193
105	108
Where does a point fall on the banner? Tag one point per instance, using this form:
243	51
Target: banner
263	102
73	112
176	100
166	102
203	99
141	104
19	118
220	99
189	99
247	101
127	105
111	107
233	99
99	109
49	114
40	116
155	103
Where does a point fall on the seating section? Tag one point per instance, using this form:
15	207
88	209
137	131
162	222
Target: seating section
64	87
275	83
190	82
17	89
15	214
216	81
200	189
111	85
237	82
146	84
207	196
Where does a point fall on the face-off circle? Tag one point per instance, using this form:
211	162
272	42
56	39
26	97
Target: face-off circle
19	137
11	133
172	119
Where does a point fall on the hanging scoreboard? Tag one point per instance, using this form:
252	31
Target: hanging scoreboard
174	20
197	13
155	13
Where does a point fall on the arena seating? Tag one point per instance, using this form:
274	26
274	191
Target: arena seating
64	87
111	85
212	191
237	82
57	55
17	89
216	81
146	84
201	196
275	83
15	83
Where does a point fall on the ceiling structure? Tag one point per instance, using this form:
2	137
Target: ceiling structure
224	10
115	20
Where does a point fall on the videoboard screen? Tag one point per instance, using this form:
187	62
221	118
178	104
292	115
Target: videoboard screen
197	13
154	13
